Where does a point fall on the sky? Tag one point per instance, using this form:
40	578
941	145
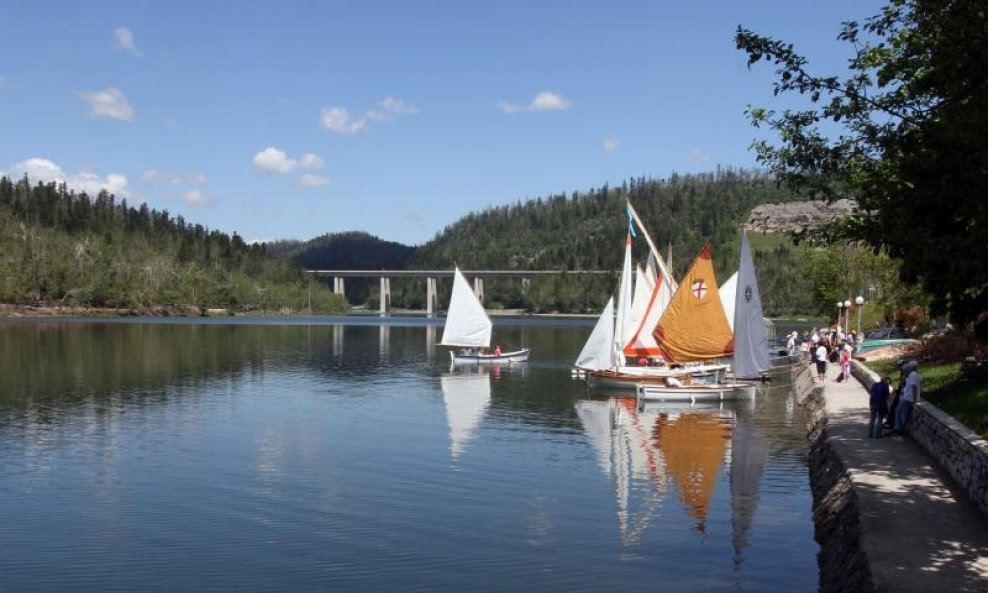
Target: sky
292	119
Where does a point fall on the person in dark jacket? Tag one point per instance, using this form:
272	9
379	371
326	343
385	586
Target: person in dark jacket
878	402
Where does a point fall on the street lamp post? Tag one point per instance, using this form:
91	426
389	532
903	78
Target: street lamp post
859	300
847	315
840	306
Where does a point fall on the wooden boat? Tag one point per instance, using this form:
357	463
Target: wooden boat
700	392
468	330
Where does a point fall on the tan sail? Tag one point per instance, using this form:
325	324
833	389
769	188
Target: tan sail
693	326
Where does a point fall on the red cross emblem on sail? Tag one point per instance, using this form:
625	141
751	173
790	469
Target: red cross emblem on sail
699	289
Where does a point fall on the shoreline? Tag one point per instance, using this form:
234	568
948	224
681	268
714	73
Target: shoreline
16	311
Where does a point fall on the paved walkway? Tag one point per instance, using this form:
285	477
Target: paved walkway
919	531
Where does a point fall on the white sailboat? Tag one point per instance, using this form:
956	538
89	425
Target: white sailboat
751	354
468	329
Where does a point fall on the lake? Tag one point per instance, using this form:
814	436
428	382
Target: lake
344	454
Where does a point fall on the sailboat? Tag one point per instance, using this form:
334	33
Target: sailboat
469	329
625	328
694	329
751	354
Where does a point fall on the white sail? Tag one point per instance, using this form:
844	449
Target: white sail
467	398
597	353
641	298
623	328
467	324
728	291
751	357
654	293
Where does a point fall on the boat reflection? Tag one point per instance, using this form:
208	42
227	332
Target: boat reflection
675	447
466	395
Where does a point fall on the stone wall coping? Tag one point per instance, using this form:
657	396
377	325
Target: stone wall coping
867	377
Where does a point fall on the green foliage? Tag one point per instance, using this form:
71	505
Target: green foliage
903	133
586	231
58	247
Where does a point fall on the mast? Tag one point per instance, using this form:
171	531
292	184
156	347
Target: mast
651	245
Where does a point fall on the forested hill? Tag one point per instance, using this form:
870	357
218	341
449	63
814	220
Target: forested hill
586	231
344	251
58	247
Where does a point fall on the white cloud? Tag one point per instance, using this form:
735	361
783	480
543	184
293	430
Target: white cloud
125	41
543	101
611	143
156	177
272	160
310	180
338	119
195	197
46	171
310	161
108	103
700	156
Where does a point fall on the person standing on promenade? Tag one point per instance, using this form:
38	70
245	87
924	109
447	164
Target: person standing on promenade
845	362
910	395
821	362
878	402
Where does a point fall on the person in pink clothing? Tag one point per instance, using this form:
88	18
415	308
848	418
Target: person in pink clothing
845	362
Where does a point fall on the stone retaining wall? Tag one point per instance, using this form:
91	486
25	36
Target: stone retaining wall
955	448
842	562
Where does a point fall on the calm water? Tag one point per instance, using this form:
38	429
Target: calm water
345	455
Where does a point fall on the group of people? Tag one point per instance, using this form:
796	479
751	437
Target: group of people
821	348
496	351
892	408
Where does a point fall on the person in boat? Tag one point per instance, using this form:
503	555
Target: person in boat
497	350
643	361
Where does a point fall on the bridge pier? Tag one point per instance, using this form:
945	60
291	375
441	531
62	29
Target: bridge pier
526	283
431	296
385	304
478	288
338	287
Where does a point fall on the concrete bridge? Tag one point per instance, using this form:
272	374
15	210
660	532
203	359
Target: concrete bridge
431	277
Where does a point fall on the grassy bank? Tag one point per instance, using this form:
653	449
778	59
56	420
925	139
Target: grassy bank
942	385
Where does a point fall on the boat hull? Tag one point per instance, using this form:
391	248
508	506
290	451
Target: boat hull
696	393
630	377
504	358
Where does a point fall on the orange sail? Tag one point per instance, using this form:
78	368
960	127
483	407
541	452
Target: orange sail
694	326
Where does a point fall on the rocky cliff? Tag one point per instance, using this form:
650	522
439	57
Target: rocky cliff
796	216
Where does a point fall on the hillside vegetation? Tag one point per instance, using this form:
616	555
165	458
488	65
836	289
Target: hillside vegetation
586	231
62	248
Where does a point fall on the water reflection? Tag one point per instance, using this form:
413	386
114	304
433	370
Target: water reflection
466	395
312	457
679	448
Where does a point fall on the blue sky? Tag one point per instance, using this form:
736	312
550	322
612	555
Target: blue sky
294	119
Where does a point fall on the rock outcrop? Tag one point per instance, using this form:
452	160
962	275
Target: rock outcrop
797	216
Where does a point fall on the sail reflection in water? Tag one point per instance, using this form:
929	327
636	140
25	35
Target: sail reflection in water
467	395
675	448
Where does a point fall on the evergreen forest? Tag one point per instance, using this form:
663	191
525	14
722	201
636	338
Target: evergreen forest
58	247
586	231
